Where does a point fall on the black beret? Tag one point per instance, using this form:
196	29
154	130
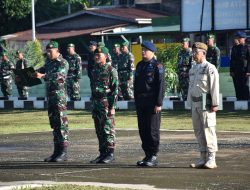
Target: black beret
148	45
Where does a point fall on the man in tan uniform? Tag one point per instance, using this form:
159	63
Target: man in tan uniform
204	78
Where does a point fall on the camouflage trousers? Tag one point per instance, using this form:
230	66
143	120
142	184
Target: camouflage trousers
184	83
6	87
73	89
57	112
104	124
22	90
126	86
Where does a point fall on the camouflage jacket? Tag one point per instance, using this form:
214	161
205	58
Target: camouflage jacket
6	69
75	67
213	56
116	60
55	76
127	63
105	84
184	63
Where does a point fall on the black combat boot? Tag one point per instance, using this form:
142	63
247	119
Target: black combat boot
108	158
62	156
151	161
54	155
142	162
98	158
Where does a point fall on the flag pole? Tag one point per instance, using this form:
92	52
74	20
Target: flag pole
33	21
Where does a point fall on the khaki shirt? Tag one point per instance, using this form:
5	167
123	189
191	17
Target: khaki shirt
203	78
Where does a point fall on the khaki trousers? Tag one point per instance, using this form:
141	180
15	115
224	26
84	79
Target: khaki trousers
204	123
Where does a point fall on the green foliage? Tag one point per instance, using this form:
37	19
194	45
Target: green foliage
15	16
168	56
10	50
18	10
19	121
32	52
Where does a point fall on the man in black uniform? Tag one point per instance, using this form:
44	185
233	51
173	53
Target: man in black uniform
21	64
91	57
240	67
149	88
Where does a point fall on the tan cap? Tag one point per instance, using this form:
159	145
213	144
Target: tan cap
199	45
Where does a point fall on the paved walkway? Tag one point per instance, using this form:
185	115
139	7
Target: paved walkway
22	155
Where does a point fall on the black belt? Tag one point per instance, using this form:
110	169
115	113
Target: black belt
196	99
145	95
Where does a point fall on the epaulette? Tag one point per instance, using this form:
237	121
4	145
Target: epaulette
160	67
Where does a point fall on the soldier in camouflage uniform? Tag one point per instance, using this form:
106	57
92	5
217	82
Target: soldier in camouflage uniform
109	58
6	72
55	73
116	58
213	52
183	66
104	96
74	74
126	73
21	64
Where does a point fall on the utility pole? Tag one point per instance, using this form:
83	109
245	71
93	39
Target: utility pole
201	20
33	21
69	8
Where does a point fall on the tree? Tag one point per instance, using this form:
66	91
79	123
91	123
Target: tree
168	57
16	15
18	10
12	14
32	52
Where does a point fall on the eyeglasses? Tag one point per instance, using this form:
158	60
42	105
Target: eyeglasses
196	52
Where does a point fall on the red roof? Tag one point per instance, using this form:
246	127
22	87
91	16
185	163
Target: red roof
129	13
27	35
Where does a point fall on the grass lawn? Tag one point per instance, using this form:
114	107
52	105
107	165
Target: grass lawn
28	121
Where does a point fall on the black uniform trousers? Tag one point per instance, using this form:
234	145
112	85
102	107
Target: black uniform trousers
241	86
149	129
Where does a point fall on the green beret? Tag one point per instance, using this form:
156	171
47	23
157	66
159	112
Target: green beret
126	43
71	45
116	45
102	50
199	45
101	44
209	36
185	40
52	44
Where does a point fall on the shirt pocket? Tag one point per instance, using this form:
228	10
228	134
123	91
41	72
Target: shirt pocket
203	80
150	77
